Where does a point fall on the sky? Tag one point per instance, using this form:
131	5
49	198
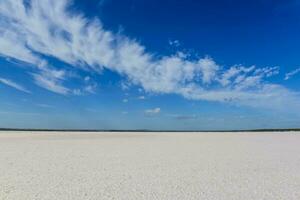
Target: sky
150	64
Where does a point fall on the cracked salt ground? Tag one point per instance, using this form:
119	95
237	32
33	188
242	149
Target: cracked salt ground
70	166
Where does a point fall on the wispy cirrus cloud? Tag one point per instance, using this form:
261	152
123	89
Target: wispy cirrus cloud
141	97
13	84
152	112
50	83
91	88
49	28
291	74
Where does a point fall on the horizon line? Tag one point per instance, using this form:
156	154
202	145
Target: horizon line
149	130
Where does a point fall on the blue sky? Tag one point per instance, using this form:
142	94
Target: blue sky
132	64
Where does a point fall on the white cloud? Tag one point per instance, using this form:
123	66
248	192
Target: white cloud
125	100
174	43
292	73
87	89
9	39
153	111
125	85
87	79
208	69
242	78
13	85
50	83
141	97
77	92
50	79
50	29
91	88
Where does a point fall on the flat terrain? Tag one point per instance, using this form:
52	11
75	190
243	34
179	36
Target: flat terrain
164	166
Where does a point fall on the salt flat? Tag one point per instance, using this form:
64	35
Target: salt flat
169	166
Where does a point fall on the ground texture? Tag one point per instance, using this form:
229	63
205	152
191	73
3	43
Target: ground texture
164	166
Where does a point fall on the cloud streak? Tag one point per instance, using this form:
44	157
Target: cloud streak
291	74
49	83
13	84
152	112
49	28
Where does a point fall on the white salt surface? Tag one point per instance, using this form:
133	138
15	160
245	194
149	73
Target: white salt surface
165	166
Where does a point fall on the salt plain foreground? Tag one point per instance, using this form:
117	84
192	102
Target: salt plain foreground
168	166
